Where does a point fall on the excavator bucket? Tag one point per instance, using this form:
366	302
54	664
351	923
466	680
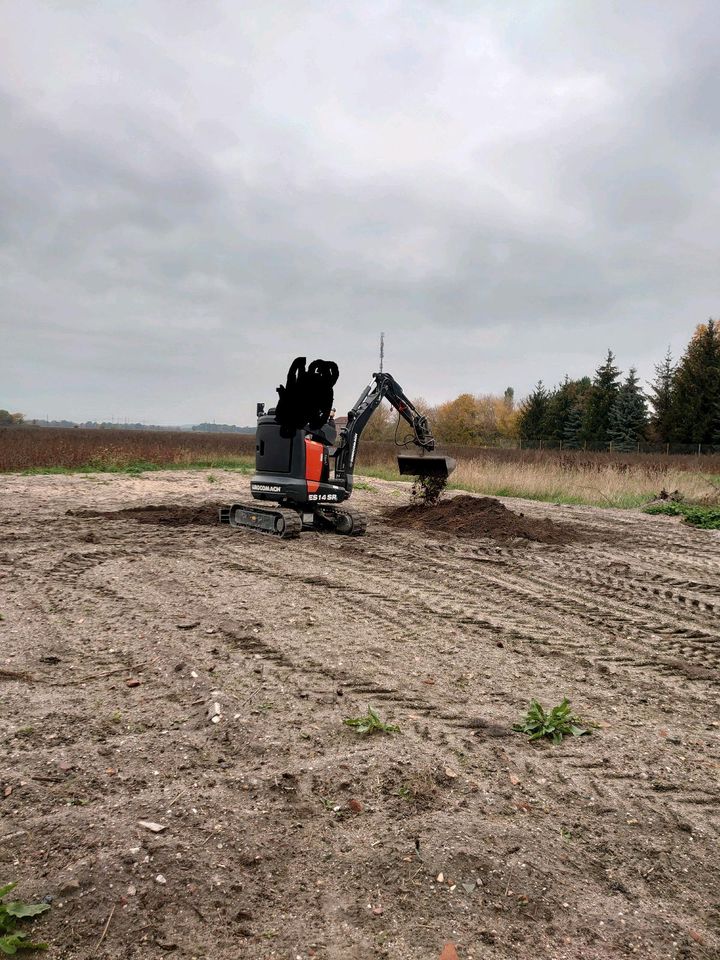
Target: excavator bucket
440	467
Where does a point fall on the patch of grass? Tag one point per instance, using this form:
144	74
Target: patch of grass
211	478
361	485
555	724
370	723
405	793
708	518
10	939
380	472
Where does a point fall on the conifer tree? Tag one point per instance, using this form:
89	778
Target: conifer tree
696	395
628	417
602	397
533	416
560	403
661	399
572	433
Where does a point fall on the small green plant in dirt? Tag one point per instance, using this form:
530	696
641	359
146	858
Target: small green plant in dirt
555	724
708	518
10	913
405	793
370	723
211	478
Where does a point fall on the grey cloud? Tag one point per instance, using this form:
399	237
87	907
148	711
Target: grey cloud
193	194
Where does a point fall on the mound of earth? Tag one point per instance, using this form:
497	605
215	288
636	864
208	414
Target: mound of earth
170	515
467	516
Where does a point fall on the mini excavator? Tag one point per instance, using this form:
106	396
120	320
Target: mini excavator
307	469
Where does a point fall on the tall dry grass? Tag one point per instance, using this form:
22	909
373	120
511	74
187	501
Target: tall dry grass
599	479
59	448
602	479
610	485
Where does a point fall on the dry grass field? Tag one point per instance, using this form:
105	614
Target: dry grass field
599	479
56	448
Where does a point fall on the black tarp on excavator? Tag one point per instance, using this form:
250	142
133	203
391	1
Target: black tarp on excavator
306	399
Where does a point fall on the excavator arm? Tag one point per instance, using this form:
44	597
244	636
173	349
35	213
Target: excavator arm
384	387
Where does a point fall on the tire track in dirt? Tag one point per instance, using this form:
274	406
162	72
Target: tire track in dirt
619	605
699	645
399	620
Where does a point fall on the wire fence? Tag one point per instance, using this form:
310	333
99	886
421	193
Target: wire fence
641	446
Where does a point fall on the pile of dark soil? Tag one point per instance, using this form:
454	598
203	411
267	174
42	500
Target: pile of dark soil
466	516
169	515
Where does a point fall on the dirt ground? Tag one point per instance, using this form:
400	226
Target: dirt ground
197	677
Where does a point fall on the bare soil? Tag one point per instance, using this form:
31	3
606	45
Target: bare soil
285	833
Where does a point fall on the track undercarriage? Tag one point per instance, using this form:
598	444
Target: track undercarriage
287	520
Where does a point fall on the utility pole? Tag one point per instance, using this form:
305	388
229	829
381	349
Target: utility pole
382	351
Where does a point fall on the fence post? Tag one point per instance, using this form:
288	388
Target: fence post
667	449
699	445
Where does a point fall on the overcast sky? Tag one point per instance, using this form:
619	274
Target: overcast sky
193	193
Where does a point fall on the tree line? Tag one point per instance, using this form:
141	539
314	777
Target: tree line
682	405
485	420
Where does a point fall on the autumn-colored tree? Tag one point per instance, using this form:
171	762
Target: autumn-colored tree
381	425
457	420
507	417
486	422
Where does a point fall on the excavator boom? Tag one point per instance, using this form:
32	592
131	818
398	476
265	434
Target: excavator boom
385	387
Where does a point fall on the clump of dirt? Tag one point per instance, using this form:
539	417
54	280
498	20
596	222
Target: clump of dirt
467	516
169	515
428	490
